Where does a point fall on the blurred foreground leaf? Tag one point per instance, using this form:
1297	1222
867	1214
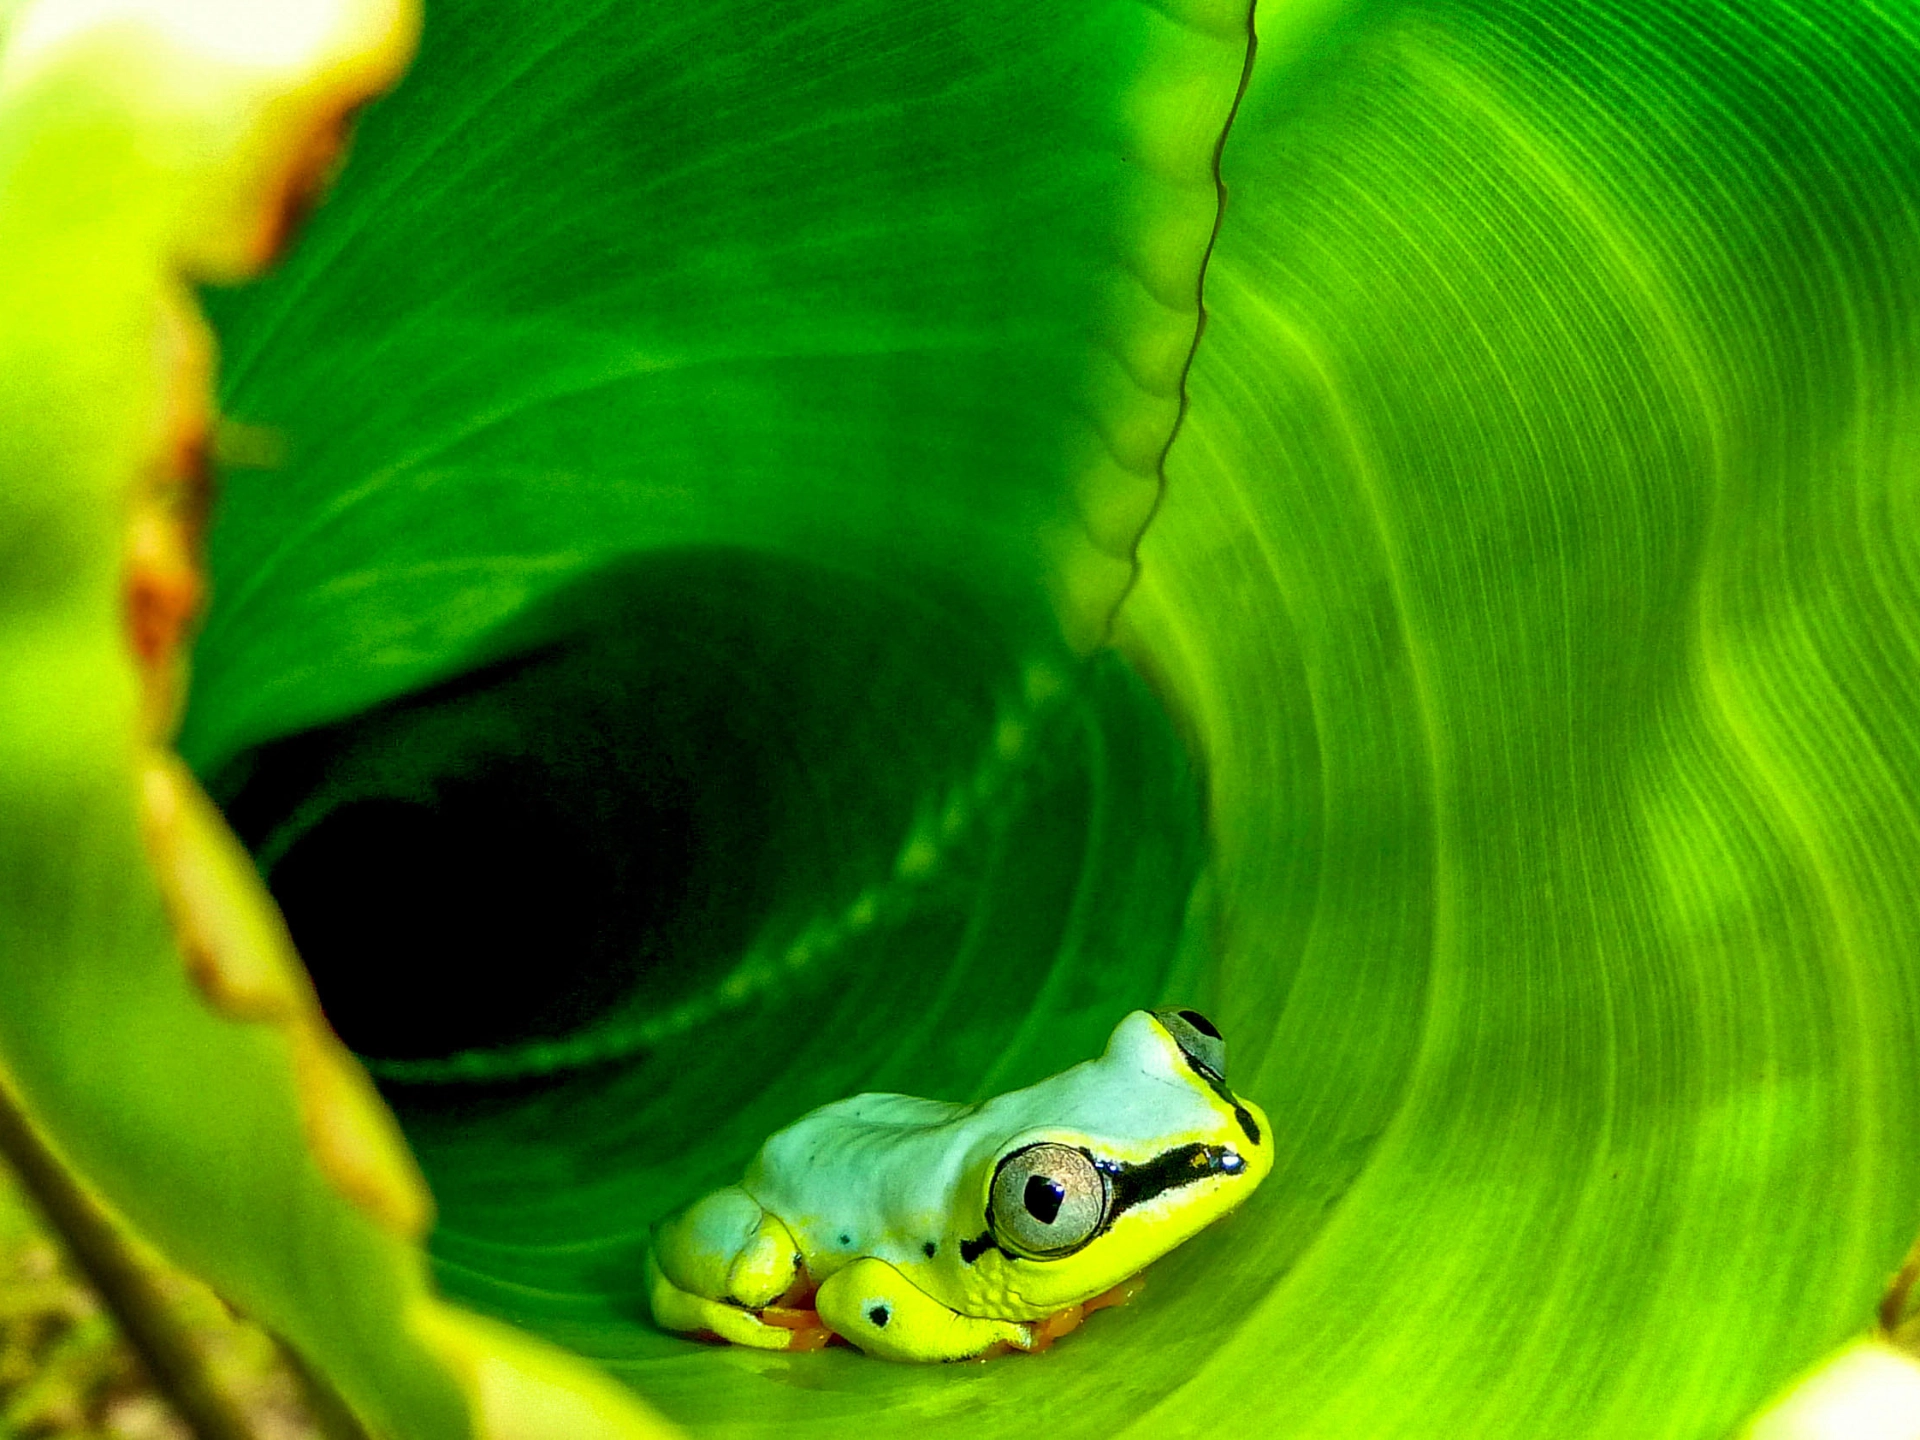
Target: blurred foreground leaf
66	1371
153	1022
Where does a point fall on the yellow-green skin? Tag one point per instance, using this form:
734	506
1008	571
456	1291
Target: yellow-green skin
884	1200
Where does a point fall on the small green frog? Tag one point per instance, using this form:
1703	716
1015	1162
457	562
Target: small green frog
919	1230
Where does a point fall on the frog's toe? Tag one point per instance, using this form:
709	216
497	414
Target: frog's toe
689	1314
1042	1333
1064	1322
768	1268
1118	1295
745	1327
724	1246
804	1325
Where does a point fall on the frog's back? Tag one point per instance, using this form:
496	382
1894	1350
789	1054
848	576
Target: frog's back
868	1175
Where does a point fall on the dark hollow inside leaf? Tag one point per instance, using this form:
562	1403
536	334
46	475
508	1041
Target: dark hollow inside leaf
709	838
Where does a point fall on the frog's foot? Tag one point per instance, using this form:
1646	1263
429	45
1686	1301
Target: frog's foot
1118	1295
725	1267
725	1247
799	1295
1064	1322
769	1328
806	1327
874	1306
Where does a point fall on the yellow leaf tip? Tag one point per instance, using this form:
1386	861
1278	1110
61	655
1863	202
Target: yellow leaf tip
237	953
240	108
522	1389
231	937
354	1138
1868	1391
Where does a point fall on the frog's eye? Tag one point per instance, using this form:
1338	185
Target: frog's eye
1048	1201
1202	1044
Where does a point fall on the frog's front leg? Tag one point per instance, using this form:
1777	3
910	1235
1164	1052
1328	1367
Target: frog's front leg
887	1315
720	1265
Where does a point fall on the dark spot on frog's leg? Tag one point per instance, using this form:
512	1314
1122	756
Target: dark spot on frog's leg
846	1239
1247	1125
930	1247
879	1315
972	1250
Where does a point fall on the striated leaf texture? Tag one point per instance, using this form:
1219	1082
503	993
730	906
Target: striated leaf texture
660	681
1537	571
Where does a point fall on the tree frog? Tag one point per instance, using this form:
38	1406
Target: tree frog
918	1230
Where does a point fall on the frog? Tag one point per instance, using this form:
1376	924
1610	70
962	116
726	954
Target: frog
920	1230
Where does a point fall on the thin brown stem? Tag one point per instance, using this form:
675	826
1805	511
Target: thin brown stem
126	1283
330	1413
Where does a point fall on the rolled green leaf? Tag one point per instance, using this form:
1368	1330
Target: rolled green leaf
663	680
1535	572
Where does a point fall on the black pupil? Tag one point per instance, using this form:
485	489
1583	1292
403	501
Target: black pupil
1043	1198
1200	1023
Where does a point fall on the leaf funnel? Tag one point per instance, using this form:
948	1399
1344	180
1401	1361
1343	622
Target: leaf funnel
704	653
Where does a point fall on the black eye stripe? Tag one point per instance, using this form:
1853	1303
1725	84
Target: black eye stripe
1137	1184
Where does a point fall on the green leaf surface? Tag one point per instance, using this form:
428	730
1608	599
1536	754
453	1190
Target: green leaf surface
694	422
866	284
1549	482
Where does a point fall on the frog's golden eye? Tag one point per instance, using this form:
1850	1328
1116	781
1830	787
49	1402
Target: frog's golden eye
1198	1040
1047	1201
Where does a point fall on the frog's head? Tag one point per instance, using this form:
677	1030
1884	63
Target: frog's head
1120	1159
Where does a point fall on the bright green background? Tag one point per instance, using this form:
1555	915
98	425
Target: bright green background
1533	591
